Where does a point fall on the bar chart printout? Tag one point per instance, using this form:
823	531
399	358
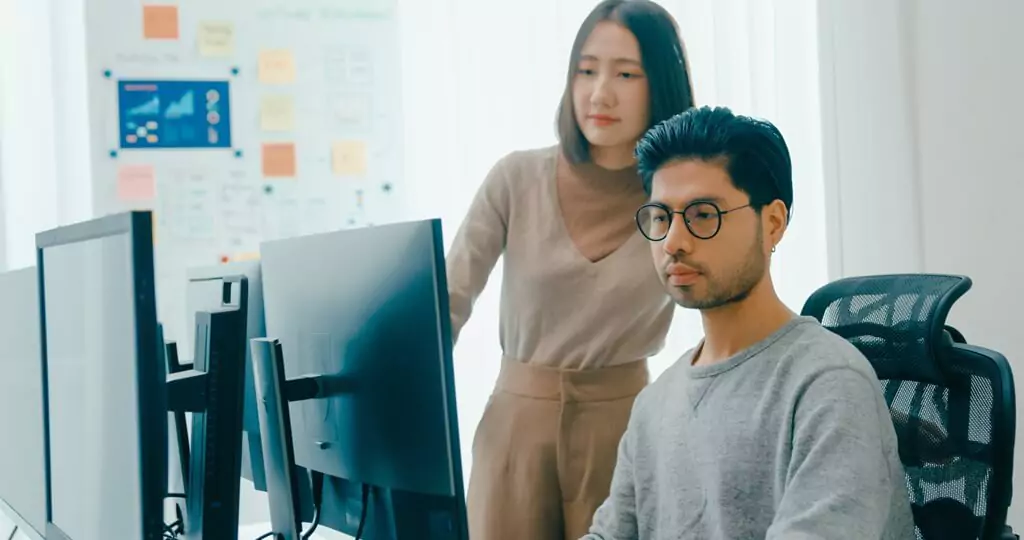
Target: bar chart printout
174	114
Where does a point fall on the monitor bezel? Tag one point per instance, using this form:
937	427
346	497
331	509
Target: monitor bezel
152	400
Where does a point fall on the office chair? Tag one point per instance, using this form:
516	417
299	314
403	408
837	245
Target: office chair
952	403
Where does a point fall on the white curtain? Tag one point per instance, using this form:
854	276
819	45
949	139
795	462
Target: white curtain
483	78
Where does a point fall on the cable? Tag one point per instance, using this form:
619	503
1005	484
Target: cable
266	535
316	523
366	505
13	532
175	496
317	479
169	530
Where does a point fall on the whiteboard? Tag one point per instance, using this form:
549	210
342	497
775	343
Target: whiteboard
294	125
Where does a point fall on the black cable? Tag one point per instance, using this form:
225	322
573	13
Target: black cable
366	505
266	535
175	496
317	479
13	532
316	523
169	529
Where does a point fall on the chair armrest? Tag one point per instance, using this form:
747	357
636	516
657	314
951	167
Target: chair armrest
1008	534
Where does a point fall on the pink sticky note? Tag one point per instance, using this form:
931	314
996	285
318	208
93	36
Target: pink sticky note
136	183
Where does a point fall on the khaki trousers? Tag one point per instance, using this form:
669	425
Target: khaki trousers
545	450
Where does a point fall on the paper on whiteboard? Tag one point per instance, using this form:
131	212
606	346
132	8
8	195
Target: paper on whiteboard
160	22
277	113
216	39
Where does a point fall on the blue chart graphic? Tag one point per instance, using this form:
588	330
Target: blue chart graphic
174	114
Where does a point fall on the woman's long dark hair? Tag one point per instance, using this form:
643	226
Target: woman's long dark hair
661	52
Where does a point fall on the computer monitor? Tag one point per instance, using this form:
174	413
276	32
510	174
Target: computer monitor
204	291
283	484
22	465
211	388
367	309
104	385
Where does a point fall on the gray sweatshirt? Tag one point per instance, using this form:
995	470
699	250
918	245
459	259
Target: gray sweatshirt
788	439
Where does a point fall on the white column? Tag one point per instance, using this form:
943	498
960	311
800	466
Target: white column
71	135
27	112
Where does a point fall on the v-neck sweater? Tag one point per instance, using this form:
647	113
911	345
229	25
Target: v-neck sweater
586	300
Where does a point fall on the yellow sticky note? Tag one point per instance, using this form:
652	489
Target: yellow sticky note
279	160
249	256
216	39
136	183
276	67
277	113
348	158
160	22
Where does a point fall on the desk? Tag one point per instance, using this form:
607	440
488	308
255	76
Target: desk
245	532
255	530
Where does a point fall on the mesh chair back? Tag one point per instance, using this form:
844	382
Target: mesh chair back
952	403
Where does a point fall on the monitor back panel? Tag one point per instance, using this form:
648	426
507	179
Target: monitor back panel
371	314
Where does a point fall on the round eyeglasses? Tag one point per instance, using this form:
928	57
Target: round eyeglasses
702	218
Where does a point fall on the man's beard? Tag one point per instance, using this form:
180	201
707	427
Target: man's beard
737	288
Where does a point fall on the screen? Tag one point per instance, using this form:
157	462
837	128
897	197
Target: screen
174	114
22	465
95	469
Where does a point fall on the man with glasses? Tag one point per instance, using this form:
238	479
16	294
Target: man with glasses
772	426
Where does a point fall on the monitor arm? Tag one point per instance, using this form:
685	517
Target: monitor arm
186	391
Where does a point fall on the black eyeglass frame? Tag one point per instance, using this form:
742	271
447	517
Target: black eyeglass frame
682	213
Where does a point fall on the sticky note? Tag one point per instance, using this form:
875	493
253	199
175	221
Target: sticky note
160	22
216	39
277	113
136	183
276	67
279	160
348	158
248	256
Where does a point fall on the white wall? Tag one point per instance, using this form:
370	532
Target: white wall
922	114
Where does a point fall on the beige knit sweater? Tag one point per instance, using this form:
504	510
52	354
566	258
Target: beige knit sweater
580	290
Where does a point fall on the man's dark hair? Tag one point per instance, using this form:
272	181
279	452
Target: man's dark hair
753	151
661	53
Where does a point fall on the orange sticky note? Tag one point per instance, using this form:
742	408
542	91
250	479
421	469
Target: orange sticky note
160	22
279	160
136	183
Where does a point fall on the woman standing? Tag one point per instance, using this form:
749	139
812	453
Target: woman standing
582	307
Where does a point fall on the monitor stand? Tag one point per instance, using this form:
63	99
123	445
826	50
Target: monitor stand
273	394
212	390
174	366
